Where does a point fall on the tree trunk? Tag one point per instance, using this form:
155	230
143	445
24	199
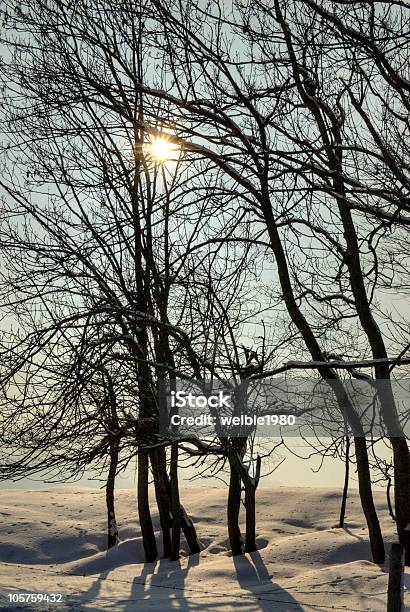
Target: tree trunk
366	497
234	505
250	538
175	504
187	525
346	484
112	531
402	492
395	587
189	530
147	530
162	494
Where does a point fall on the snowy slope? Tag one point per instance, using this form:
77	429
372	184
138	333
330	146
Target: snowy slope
54	541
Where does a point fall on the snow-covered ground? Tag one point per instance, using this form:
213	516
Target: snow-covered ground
53	541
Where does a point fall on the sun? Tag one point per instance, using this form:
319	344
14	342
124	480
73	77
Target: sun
162	150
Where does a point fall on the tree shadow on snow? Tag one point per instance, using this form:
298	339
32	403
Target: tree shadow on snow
84	598
254	578
161	586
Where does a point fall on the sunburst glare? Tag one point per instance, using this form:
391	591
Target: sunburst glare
161	150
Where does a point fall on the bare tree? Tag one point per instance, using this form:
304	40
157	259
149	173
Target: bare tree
269	106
